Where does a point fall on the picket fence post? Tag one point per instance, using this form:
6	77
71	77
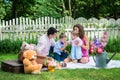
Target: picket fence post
26	28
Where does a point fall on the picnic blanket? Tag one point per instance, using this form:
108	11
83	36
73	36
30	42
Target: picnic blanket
91	64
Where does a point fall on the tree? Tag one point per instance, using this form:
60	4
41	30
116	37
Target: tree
2	9
59	8
22	7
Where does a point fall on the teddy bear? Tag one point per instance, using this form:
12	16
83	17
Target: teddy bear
29	62
25	46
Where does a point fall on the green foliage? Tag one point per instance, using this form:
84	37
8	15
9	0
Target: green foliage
113	45
8	46
2	10
59	8
68	48
33	41
46	8
17	44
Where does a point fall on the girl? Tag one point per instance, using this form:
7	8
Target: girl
76	52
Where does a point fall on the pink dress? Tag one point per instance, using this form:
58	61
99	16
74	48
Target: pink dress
84	51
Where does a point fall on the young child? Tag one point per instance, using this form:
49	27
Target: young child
76	43
59	49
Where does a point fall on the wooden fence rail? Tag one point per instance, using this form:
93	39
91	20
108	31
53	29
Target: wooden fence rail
25	28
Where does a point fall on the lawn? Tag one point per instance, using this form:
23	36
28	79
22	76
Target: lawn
73	74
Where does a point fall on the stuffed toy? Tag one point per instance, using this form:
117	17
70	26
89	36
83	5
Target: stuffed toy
29	62
25	46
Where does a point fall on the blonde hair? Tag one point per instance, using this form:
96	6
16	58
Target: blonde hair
62	35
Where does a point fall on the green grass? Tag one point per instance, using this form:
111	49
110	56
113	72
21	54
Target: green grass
68	74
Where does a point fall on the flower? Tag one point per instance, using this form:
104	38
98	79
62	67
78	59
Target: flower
96	46
52	63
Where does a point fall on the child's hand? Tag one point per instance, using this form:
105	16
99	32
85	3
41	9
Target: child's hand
65	51
65	43
77	43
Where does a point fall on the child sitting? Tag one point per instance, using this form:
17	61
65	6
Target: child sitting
76	42
59	49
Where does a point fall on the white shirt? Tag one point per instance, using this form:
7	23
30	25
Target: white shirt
44	44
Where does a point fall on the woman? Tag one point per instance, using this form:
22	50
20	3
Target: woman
85	47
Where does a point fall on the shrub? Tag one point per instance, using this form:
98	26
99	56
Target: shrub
113	45
17	44
8	45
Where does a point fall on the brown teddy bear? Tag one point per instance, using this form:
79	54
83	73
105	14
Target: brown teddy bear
30	64
25	46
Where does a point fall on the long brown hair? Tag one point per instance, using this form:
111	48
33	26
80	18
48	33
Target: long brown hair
81	30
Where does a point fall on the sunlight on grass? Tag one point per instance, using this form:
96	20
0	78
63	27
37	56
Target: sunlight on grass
73	74
6	56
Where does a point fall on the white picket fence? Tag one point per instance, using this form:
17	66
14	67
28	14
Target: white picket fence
25	28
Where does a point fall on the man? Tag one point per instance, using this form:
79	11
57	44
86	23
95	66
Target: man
46	41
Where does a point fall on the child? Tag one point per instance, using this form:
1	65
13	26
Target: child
59	49
76	42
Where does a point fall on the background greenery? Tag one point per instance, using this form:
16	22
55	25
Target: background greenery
10	9
8	46
33	9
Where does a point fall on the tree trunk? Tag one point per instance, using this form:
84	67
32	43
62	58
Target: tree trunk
94	8
75	8
70	11
14	8
74	13
63	8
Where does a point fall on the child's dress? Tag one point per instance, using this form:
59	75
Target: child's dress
76	52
